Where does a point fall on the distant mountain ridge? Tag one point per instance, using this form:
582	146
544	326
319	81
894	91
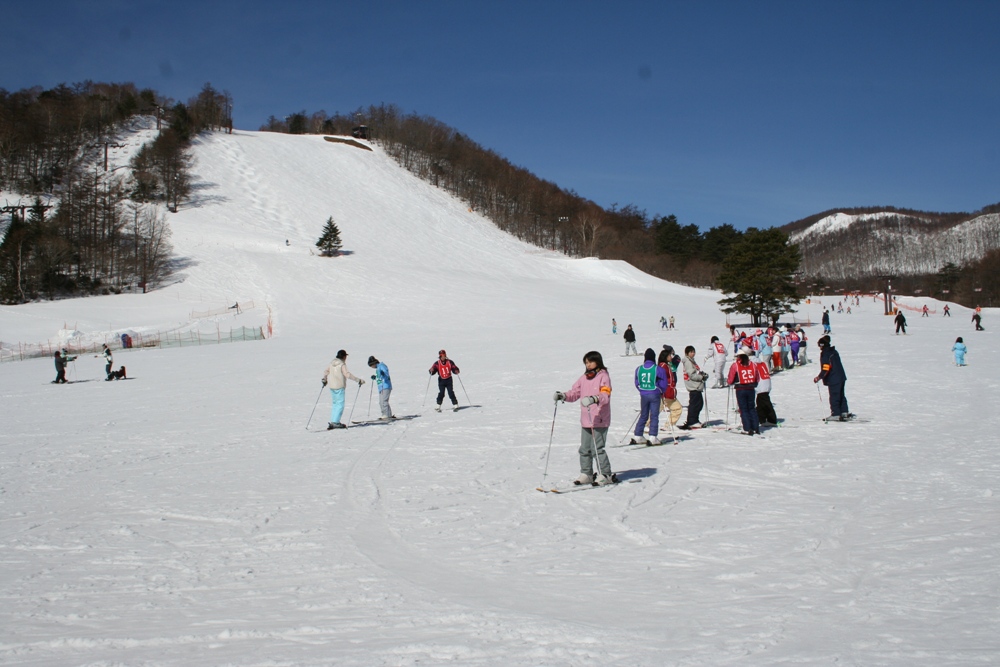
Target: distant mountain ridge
851	244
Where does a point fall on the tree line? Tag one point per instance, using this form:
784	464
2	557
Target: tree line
82	228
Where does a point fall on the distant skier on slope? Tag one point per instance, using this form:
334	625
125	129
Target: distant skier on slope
60	369
959	349
444	368
833	376
593	390
978	319
630	341
900	321
108	359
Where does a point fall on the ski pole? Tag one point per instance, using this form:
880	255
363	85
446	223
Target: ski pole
729	395
463	388
370	392
545	473
314	406
426	390
708	413
622	441
358	393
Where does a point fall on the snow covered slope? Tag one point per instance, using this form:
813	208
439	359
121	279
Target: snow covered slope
188	517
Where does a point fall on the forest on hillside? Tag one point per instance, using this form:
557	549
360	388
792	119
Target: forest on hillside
78	227
951	256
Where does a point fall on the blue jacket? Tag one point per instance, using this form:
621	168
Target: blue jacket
382	377
831	370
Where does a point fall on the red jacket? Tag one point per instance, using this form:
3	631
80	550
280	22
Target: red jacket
444	368
744	377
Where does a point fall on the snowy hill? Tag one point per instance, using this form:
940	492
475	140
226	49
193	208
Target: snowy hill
188	517
845	246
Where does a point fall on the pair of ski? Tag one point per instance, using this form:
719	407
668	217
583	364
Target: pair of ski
641	445
582	487
373	422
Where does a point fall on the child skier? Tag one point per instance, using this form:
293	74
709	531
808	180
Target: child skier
381	377
694	381
959	349
60	369
743	374
803	343
651	381
444	368
335	378
717	355
669	403
593	390
765	409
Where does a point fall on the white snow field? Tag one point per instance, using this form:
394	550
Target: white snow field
188	517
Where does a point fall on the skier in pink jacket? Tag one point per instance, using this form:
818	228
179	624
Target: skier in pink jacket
593	390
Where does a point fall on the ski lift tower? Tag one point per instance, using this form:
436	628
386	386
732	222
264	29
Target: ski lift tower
886	279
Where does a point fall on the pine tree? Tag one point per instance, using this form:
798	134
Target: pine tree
329	243
758	275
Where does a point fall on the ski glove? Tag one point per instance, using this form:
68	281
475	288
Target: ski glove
558	396
587	401
360	382
323	381
373	377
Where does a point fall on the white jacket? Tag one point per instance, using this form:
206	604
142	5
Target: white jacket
337	375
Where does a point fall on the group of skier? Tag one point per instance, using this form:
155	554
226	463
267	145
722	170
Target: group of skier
63	357
336	375
757	356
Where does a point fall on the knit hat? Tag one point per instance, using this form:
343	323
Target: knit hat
823	342
372	361
342	354
442	353
650	355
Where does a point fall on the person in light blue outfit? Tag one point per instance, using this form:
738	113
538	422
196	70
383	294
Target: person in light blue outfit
959	349
335	379
381	378
766	351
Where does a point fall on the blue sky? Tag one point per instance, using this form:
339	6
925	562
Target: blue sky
748	113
